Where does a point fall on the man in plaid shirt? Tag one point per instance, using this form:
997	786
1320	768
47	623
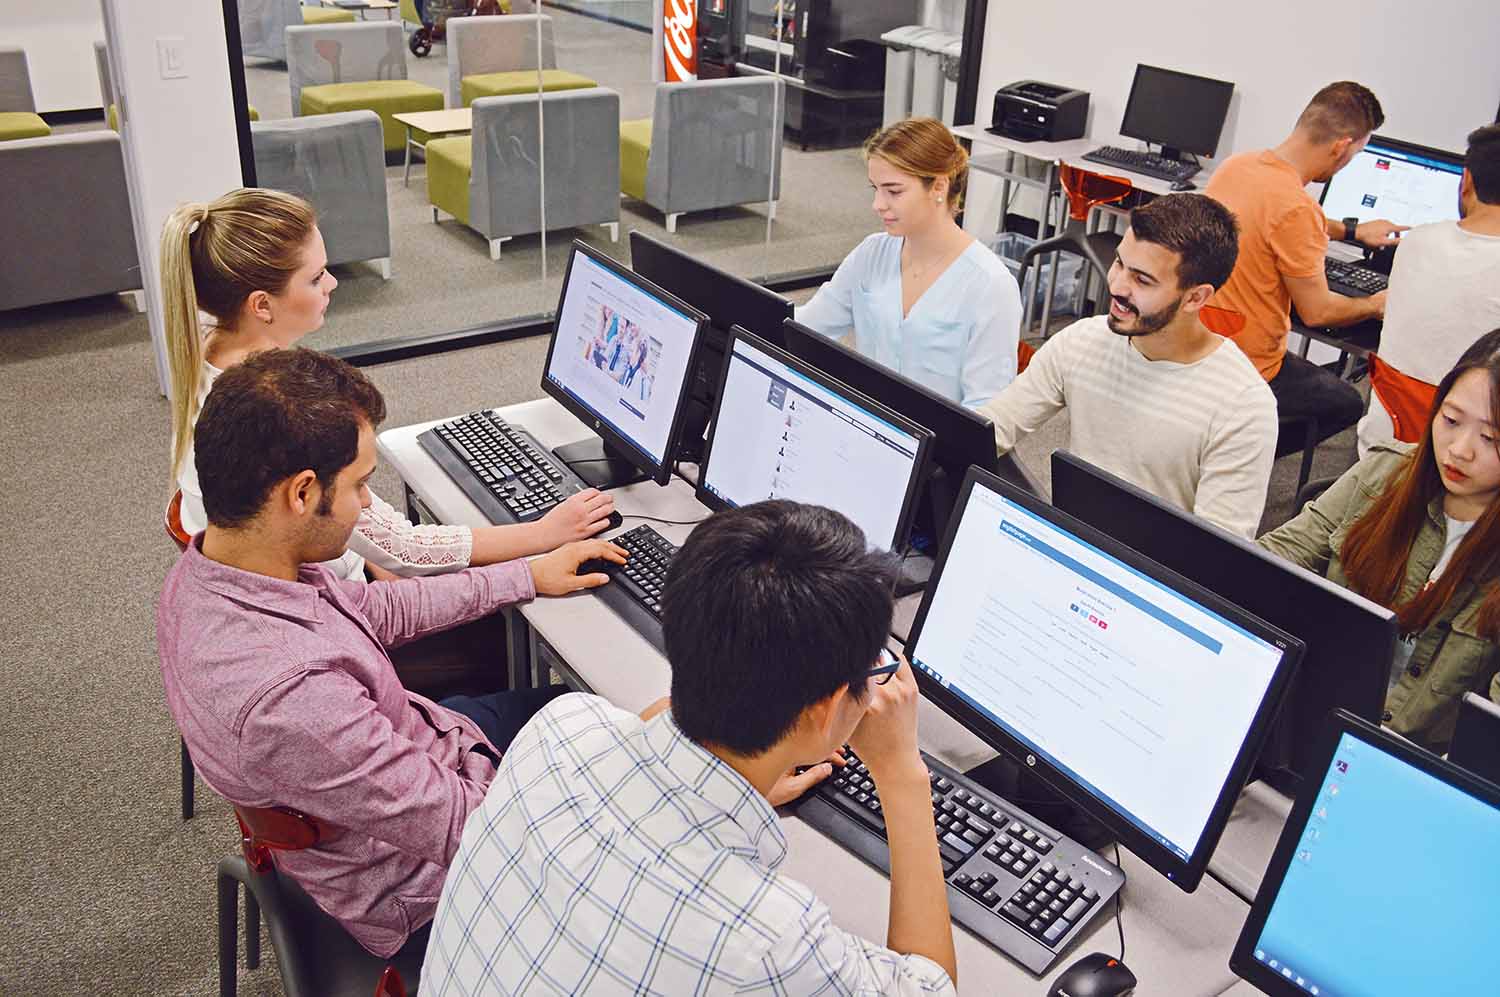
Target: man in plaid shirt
625	854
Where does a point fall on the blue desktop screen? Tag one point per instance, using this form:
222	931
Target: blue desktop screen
1394	888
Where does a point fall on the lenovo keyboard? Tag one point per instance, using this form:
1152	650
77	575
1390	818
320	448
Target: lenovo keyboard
1012	880
1352	279
1150	164
501	468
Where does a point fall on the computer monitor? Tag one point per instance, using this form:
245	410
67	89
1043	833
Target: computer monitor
727	300
1383	882
619	360
961	436
782	429
1399	181
1135	693
1476	737
1349	639
1178	111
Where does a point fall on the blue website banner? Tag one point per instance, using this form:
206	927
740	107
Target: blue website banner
1189	631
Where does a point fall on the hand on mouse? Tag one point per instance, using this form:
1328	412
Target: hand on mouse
577	517
556	573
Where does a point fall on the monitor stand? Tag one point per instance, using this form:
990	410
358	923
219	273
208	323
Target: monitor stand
598	465
1025	789
1168	152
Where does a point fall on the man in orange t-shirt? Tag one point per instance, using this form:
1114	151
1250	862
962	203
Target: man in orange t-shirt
1283	237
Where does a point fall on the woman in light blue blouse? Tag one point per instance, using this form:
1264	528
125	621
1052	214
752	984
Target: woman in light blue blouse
924	297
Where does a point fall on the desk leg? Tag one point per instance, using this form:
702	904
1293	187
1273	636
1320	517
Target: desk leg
519	645
1010	165
406	172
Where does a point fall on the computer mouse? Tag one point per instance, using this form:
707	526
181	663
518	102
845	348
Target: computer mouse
597	565
1095	975
1184	185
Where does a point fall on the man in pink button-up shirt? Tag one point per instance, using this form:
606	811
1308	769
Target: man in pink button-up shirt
276	671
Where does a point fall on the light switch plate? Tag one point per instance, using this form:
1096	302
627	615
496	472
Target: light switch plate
171	57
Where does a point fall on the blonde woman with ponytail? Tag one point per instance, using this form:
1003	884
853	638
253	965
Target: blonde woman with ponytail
253	266
923	296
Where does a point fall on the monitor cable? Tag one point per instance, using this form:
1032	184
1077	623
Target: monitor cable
1119	923
654	519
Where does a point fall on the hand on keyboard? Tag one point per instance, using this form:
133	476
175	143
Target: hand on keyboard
557	573
799	780
577	517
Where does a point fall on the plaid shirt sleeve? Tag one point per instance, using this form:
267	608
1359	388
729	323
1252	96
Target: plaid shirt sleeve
816	957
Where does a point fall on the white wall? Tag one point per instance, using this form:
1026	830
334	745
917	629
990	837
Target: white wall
1433	64
179	134
58	36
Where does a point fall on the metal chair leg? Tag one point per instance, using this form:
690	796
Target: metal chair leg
252	929
1309	446
187	781
228	936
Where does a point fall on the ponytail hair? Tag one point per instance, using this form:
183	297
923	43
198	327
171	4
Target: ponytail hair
213	257
926	149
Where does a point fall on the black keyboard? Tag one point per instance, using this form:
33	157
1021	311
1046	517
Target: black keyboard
1012	880
1149	163
1352	279
502	469
635	587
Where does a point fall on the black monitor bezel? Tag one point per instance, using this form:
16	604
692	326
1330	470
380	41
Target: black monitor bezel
1242	960
1401	145
659	472
955	460
922	433
1186	874
660	252
1130	103
1066	465
1475	747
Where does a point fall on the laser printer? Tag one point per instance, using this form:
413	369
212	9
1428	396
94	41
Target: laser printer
1033	111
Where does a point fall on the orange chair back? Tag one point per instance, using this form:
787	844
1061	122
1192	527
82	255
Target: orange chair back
1024	353
1086	191
267	829
173	522
1225	321
1407	400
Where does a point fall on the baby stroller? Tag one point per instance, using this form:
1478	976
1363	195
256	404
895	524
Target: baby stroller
431	18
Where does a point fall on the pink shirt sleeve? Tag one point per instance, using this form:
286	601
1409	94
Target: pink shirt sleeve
409	608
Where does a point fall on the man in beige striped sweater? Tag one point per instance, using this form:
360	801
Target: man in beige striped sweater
1152	394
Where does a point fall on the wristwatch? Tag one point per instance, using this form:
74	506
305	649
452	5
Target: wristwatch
1350	224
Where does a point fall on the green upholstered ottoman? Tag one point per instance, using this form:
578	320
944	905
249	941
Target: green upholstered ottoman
520	81
326	15
635	153
22	124
449	164
384	97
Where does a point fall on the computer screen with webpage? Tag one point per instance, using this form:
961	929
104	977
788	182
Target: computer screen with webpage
780	434
622	353
1392	886
1401	185
1137	694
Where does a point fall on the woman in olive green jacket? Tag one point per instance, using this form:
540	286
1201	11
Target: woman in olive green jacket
1417	528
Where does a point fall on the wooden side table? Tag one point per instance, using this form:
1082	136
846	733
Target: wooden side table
423	126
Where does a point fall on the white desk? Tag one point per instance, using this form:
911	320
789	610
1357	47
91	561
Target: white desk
1177	943
1070	153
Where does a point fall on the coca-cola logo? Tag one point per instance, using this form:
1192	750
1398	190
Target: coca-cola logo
680	39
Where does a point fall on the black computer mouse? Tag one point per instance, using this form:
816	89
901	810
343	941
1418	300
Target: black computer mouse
597	565
1184	185
1095	975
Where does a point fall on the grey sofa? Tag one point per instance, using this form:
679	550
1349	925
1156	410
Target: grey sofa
337	162
708	144
71	235
505	185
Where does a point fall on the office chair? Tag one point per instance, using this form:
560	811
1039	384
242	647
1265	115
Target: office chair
1407	400
1229	323
1085	192
314	952
181	537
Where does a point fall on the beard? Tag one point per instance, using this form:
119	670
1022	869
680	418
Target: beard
1146	324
